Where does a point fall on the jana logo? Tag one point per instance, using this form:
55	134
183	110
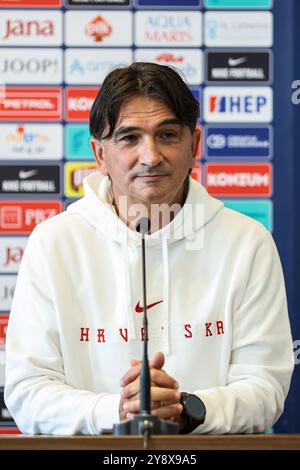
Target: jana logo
98	29
237	104
36	28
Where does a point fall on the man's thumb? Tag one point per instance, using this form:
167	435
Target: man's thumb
157	360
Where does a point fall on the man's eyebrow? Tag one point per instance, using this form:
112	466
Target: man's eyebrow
126	129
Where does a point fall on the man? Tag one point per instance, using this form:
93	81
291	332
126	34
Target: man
219	335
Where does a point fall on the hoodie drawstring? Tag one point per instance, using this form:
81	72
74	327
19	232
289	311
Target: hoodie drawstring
128	293
166	292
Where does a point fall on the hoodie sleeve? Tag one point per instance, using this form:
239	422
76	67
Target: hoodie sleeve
36	392
261	362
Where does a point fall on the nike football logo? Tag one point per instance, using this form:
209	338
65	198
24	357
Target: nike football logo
23	175
233	62
140	309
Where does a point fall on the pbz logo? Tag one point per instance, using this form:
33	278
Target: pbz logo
238	104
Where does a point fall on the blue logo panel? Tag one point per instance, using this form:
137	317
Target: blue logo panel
260	210
238	142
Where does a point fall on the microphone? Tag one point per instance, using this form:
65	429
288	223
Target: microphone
145	423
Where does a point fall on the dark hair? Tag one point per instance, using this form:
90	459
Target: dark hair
141	79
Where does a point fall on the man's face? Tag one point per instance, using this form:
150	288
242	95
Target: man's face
149	154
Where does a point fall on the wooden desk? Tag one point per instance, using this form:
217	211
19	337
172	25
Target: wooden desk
203	442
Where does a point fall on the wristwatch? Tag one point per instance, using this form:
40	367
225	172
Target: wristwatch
194	412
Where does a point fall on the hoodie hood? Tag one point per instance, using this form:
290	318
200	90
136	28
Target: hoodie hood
97	209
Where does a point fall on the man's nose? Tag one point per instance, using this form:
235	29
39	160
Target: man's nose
150	153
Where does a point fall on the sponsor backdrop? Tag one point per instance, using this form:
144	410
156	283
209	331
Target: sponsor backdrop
53	57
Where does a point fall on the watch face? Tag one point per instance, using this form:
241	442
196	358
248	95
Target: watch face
194	407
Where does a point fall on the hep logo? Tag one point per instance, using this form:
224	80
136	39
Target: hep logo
98	28
236	104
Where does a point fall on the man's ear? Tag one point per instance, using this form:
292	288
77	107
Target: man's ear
97	149
195	141
196	136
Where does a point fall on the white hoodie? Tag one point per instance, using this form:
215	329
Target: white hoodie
220	316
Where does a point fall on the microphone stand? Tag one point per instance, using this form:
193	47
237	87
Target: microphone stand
145	423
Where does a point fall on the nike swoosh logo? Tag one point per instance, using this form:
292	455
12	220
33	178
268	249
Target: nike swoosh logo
23	175
140	309
234	62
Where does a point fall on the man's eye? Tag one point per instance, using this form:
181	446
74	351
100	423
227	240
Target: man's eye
128	138
168	135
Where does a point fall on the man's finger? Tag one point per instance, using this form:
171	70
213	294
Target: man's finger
130	375
161	378
157	361
168	412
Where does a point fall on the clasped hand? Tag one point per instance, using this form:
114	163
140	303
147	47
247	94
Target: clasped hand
165	395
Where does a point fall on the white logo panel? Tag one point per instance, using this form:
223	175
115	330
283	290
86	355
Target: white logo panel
31	141
30	28
7	289
238	104
11	252
168	28
31	66
188	61
88	66
98	28
242	29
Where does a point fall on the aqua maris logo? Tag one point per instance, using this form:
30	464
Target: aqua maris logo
168	28
246	104
169	22
98	29
21	136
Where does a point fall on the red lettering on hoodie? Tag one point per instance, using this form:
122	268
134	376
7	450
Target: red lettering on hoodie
124	336
187	329
220	327
101	337
207	329
84	334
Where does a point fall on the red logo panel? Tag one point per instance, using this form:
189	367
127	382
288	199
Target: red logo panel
30	3
239	180
21	217
79	102
3	326
31	104
196	172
